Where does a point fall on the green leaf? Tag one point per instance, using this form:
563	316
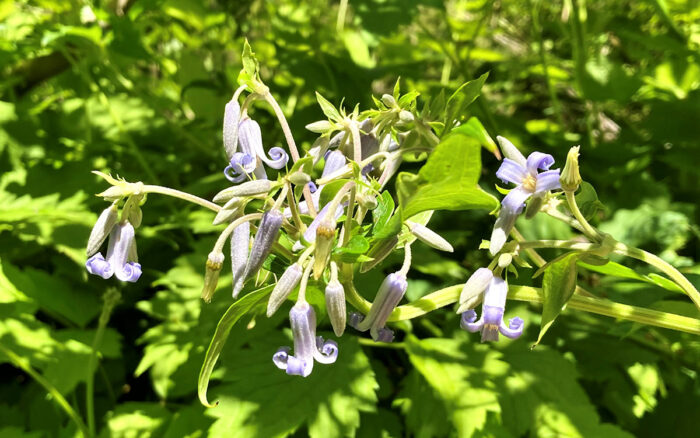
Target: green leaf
461	99
473	128
260	400
328	108
140	419
330	190
424	411
587	200
617	270
250	62
448	181
358	49
558	286
356	246
239	308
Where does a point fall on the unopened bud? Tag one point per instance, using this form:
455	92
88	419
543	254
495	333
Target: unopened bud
240	240
510	151
570	177
473	288
406	116
429	237
388	100
250	188
299	178
335	305
105	222
319	127
285	285
367	201
504	260
267	234
215	261
114	193
534	205
226	214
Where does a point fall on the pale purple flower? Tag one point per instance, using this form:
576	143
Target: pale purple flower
252	157
307	346
240	241
390	293
524	174
120	260
492	310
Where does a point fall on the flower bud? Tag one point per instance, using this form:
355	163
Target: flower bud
105	222
249	188
325	236
211	276
429	237
335	306
570	177
266	236
285	285
115	193
406	116
299	178
319	127
226	214
534	206
240	240
367	201
473	288
510	151
388	100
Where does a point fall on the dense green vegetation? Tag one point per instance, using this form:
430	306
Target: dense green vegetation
138	88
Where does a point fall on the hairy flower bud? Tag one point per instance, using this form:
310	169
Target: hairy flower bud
473	288
390	293
227	213
249	188
570	177
510	151
406	116
388	100
429	237
367	201
232	114
105	222
335	306
299	178
267	234
319	127
215	262
285	285
240	240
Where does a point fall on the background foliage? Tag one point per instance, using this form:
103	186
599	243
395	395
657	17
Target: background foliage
138	88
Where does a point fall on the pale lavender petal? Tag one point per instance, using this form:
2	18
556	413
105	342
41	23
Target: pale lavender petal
515	328
281	357
538	160
388	297
501	230
278	158
299	367
232	113
548	180
267	234
514	201
326	352
467	322
250	137
335	160
120	241
511	172
97	265
468	317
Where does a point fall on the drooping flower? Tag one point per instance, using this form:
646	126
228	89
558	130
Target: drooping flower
252	157
121	256
390	293
307	346
524	174
492	310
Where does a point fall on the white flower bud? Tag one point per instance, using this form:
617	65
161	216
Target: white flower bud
319	127
105	222
250	188
388	100
429	237
285	285
406	116
473	288
335	306
510	151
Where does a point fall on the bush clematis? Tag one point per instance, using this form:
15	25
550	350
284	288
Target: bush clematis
492	310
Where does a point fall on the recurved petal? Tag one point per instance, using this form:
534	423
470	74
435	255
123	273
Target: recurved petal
539	160
548	180
511	172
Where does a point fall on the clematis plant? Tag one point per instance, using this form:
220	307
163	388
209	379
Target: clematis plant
322	216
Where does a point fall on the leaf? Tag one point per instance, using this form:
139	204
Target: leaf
358	49
385	225
356	246
232	315
558	286
328	108
424	411
460	375
461	99
140	419
448	181
260	400
475	129
587	200
617	270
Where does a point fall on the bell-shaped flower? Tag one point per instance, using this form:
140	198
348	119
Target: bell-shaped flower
390	293
529	182
492	310
121	256
307	346
267	234
252	157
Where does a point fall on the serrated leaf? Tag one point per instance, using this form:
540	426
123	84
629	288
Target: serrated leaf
448	181
558	286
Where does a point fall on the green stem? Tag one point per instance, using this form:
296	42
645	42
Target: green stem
111	299
663	266
588	229
342	10
24	365
181	195
561	244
